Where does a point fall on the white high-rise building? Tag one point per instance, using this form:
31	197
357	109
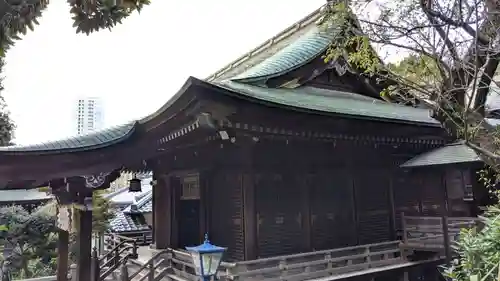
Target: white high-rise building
89	115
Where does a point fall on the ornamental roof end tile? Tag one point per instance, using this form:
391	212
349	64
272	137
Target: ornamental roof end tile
268	48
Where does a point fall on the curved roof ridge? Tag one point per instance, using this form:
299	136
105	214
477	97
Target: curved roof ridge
268	44
300	52
93	140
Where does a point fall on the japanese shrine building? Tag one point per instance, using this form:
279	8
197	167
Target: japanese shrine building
277	153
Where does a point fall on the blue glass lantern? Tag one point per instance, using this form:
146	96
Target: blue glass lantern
206	258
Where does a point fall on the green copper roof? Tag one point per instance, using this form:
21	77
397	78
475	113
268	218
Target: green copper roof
298	53
455	153
93	140
330	101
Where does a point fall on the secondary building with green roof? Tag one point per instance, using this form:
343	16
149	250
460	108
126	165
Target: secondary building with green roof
277	153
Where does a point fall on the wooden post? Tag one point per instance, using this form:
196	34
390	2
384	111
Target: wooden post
134	249
84	244
306	212
204	183
124	273
446	237
392	206
62	255
154	203
249	200
162	224
96	270
151	274
403	225
116	256
174	195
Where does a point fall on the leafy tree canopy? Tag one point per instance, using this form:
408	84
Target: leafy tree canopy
451	50
19	16
29	241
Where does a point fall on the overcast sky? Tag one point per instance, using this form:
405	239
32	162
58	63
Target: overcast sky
137	66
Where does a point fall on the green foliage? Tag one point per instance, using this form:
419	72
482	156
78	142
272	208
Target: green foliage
32	238
350	44
102	212
28	238
102	14
479	251
16	16
419	69
6	124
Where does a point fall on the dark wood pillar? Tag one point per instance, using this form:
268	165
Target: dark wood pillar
204	204
249	200
154	202
392	205
62	255
84	244
82	190
306	211
162	209
250	217
175	193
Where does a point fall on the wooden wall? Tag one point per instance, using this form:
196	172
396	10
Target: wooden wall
312	196
272	193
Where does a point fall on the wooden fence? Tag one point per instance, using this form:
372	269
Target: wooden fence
315	264
177	264
433	234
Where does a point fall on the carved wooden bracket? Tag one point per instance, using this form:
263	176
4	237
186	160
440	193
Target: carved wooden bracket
78	190
95	181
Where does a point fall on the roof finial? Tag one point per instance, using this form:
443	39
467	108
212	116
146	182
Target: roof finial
206	239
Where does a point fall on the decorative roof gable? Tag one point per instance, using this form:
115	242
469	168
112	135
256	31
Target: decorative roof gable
303	50
268	48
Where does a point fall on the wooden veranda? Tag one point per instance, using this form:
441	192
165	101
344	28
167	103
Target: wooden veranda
419	234
432	235
334	264
424	240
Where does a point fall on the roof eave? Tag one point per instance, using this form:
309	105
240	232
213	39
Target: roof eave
417	166
231	92
76	149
